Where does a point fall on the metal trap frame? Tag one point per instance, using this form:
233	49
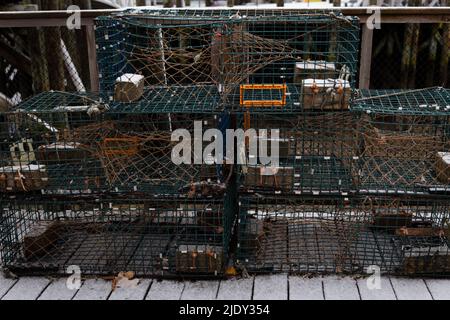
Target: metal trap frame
70	143
200	59
180	237
317	152
325	234
404	141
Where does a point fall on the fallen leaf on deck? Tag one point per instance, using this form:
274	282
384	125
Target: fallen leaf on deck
125	280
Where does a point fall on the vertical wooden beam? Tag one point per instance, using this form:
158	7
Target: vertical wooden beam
83	4
366	57
54	56
92	57
445	54
39	67
445	50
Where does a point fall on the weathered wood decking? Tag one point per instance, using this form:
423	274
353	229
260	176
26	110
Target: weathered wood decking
270	287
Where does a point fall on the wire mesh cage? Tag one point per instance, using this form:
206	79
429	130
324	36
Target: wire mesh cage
315	153
149	236
344	235
65	143
227	59
404	141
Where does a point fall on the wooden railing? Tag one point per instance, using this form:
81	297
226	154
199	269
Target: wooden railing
387	14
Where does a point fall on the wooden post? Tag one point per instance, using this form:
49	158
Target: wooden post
39	68
168	4
409	54
36	52
445	51
432	52
82	46
444	54
406	54
413	59
140	3
69	37
366	57
83	4
92	58
53	51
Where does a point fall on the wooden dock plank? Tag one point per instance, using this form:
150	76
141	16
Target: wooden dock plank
58	290
133	293
165	290
301	288
271	287
410	289
336	288
94	289
27	288
385	292
440	289
236	289
5	284
200	290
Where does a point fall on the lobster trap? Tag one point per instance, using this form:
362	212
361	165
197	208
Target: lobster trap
151	237
65	143
315	153
342	235
404	141
201	59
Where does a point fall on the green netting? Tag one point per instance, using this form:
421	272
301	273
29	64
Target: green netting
105	236
93	173
427	101
187	99
317	153
63	143
403	152
149	57
340	235
300	175
56	101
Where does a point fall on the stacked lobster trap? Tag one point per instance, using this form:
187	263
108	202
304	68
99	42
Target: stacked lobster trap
103	235
296	113
389	208
345	235
360	179
121	180
404	141
87	185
